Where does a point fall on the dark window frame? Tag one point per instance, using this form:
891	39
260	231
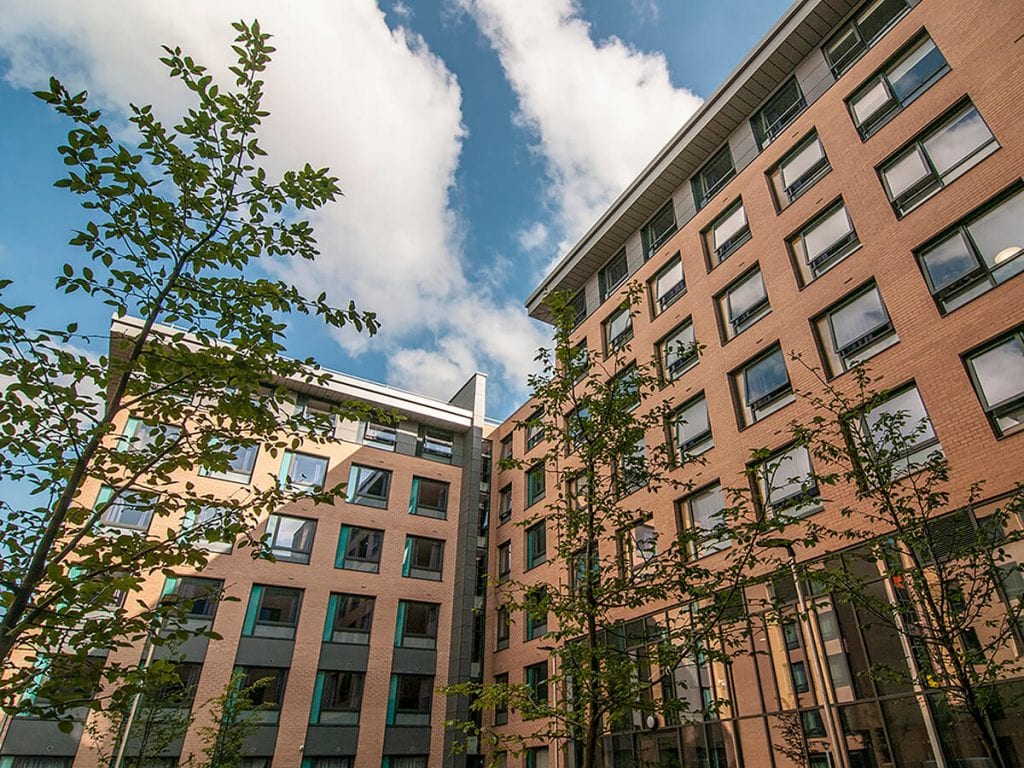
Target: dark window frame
765	133
703	193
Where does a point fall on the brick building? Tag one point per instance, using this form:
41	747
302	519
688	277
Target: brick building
852	191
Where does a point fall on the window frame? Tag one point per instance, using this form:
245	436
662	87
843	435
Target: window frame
534	555
406	639
350	635
537	681
909	460
865	43
535	491
281	630
267	713
764	133
751	315
613	344
661	302
688	353
786	194
504	514
770	402
982	276
288	464
652	242
353	494
699	443
503	556
289	554
534	429
375	435
873	122
143	502
704	194
250	453
533	625
717	254
995	411
933	182
422	510
811	268
398	716
436	444
705	544
502	628
344	561
578	302
411	570
805	501
343	715
193	519
607	282
867	345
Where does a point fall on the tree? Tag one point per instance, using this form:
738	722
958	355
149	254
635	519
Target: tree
235	716
179	224
606	457
951	573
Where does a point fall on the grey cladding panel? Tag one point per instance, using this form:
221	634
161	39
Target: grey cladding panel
406	741
405	443
414	661
743	146
814	76
348	430
331	740
264	652
343	657
261	743
40	737
683	200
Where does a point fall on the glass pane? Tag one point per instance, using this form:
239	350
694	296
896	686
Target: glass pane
706	508
765	376
717	170
663	222
912	72
794	168
869	102
432	494
913	417
844	48
679	345
364	545
279	606
781	109
999	234
692	422
307	470
949	261
788	475
1000	371
728	227
905	172
957	140
669	279
293	533
372	482
858	318
826	232
877	16
354	613
746	295
618	324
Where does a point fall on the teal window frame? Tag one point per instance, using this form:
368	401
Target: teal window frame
535	676
328	681
343	559
536	544
417	505
536	613
355	632
289	461
240	467
536	484
256	624
413	564
201	594
406	638
399	712
301	548
269	712
362	486
143	503
138	435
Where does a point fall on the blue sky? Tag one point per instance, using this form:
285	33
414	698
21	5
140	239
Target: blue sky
475	141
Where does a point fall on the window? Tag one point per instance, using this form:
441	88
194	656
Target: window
855	330
626	387
945	151
417	624
631	470
997	371
506	448
702	516
612	274
424	558
658	230
678	351
198	596
618	330
744	303
536	757
868	25
266	686
313	412
436	444
139	436
380	436
534	428
429	498
791	635
503	625
536	678
536	545
359	549
778	112
799	673
130	509
505	504
579	359
727	233
349	619
337	698
410	700
764	386
691	428
823	243
583	568
715	174
504	561
641	546
578	305
290	538
577	422
668	285
981	252
536	612
814	728
900	432
786	483
303	471
535	481
899	82
405	761
799	170
501	707
240	463
272	612
368	486
211	525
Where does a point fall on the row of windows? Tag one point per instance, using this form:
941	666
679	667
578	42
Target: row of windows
903	78
389	761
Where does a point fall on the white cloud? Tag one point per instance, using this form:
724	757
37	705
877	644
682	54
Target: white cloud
599	110
344	91
532	237
648	10
402	10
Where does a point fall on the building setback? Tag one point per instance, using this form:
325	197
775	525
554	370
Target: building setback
852	190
